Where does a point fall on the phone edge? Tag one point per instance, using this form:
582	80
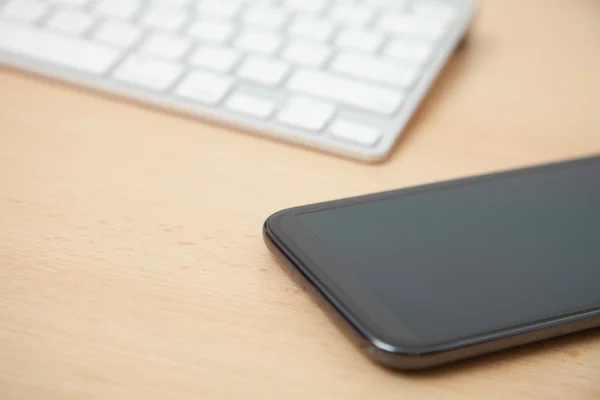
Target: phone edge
382	353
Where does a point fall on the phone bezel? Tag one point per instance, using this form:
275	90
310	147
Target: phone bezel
369	316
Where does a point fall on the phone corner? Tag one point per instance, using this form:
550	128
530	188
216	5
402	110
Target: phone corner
405	358
273	221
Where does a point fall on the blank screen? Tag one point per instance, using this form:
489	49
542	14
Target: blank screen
475	258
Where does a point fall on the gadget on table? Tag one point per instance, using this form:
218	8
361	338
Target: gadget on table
428	275
342	76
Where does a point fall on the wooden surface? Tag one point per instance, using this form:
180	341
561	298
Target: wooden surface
132	264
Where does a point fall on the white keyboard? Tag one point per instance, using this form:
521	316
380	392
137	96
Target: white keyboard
339	75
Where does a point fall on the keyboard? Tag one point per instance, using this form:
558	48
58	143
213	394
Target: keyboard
342	76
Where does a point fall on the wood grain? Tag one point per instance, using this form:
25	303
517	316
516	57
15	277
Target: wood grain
132	264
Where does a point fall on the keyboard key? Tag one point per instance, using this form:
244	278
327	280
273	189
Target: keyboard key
213	31
417	52
146	71
170	18
177	3
222	8
118	8
353	14
313	6
269	72
265	17
374	69
167	46
66	51
360	39
71	21
411	25
25	10
306	113
250	105
347	91
204	87
77	3
217	58
391	6
259	42
306	52
118	33
361	134
320	29
442	12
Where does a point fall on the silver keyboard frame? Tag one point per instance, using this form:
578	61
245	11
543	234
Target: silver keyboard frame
392	131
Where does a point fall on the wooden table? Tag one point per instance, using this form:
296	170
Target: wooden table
132	264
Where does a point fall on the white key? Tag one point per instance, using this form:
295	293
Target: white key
71	21
214	31
377	70
217	58
391	5
313	6
178	3
78	3
204	87
118	33
118	8
364	135
223	8
360	39
143	70
312	28
306	52
258	42
265	17
352	13
411	25
70	52
306	113
262	70
443	12
415	51
170	18
346	91
167	46
25	10
250	105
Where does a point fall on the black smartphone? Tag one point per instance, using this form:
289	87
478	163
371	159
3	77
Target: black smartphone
424	276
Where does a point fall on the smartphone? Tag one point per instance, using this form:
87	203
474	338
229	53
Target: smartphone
428	275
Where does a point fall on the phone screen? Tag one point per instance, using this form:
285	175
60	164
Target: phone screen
475	258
